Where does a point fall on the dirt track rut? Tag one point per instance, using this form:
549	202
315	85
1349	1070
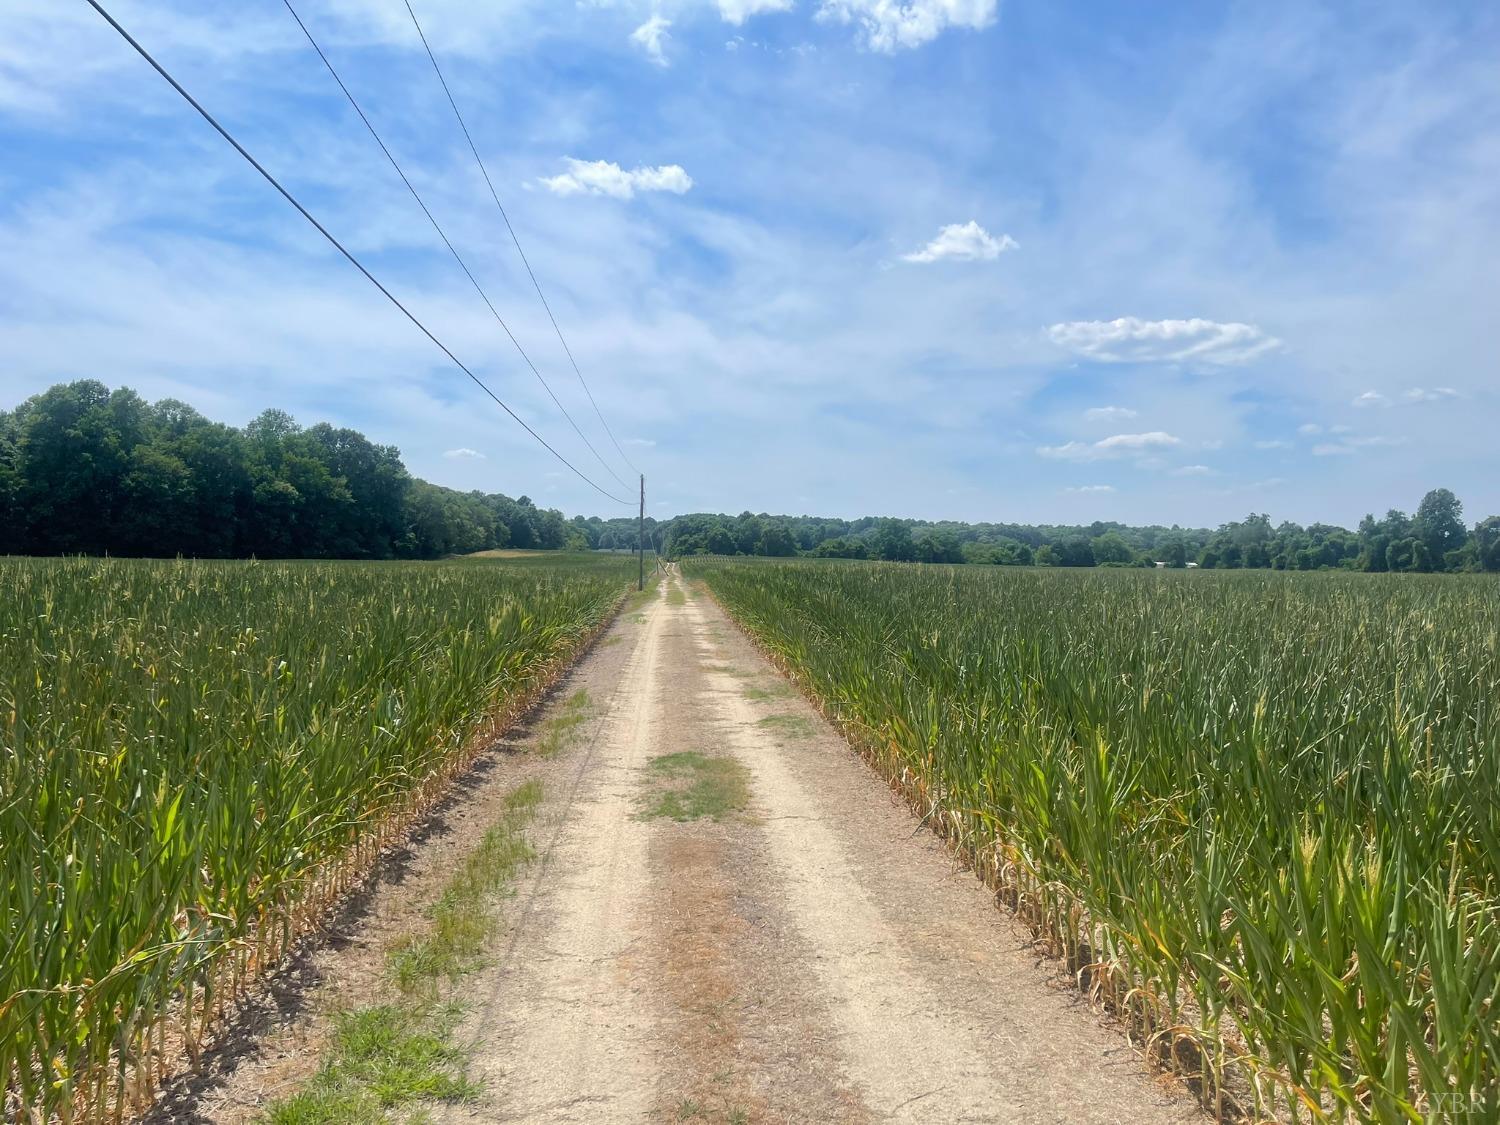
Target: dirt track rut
812	956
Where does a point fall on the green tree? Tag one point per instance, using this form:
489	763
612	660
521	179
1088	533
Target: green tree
719	540
12	531
776	540
1111	550
1439	524
71	458
938	547
747	531
892	541
1076	550
1487	543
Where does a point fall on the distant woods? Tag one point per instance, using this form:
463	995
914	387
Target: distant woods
1435	538
87	470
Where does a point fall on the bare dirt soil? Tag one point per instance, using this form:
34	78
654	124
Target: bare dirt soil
803	952
730	919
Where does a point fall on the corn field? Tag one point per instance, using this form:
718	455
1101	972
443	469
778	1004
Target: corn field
197	759
1258	814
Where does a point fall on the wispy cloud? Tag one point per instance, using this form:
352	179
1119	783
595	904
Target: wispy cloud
647	442
889	25
1274	443
1129	339
963	242
1435	394
652	37
465	453
1110	414
738	11
1350	445
1115	446
1084	488
1193	471
1409	397
603	177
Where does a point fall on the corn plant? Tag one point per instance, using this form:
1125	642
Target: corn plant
197	758
1258	812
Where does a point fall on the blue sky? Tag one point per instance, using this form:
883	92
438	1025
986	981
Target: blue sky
967	259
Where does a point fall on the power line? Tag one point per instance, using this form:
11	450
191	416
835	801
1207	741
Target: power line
496	197
446	242
337	245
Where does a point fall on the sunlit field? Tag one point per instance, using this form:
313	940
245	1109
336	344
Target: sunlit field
1258	813
195	758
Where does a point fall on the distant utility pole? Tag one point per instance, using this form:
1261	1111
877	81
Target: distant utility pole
641	580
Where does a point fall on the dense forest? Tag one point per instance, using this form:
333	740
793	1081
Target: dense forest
1433	539
87	470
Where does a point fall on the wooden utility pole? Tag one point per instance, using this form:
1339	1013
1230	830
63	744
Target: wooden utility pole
641	580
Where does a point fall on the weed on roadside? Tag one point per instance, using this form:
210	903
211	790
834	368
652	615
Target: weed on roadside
788	726
386	1056
760	695
382	1057
689	786
557	732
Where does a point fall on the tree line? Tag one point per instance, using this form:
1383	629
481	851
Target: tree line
87	470
1434	538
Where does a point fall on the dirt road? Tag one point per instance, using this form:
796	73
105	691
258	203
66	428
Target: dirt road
732	919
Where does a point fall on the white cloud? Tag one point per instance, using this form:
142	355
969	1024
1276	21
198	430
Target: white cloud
651	37
738	11
1092	488
1276	444
1115	446
889	25
465	453
640	441
963	242
1110	413
1435	394
1410	397
1193	471
1308	428
1156	439
1355	444
1129	339
603	177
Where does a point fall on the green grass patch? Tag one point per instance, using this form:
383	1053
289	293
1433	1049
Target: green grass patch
789	726
760	695
640	599
676	596
557	732
690	786
382	1057
726	670
387	1056
462	922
